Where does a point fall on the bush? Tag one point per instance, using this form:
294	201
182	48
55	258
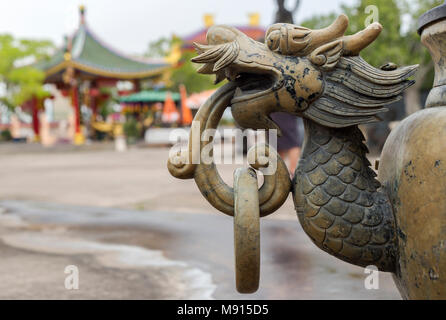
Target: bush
131	130
5	135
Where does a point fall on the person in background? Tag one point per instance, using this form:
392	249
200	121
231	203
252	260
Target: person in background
290	143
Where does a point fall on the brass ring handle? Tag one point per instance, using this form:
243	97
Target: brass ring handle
246	230
276	186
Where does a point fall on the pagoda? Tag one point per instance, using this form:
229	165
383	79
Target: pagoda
86	61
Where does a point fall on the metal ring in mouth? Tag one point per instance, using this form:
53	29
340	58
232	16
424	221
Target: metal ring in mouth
246	230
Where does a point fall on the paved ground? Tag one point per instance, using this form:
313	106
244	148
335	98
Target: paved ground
135	232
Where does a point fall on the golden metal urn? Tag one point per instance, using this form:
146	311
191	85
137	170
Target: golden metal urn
413	170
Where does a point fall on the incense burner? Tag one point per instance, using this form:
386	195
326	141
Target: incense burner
396	222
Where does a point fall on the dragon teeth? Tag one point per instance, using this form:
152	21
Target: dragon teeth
219	77
231	75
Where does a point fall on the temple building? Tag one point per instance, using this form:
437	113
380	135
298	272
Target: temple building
86	63
252	30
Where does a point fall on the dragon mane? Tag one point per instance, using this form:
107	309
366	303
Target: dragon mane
355	92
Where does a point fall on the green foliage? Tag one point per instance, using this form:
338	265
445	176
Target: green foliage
187	74
26	83
109	97
319	21
413	10
395	44
186	71
131	129
398	42
5	135
22	83
391	44
160	48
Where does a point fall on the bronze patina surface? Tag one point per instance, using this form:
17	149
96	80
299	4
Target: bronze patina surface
397	225
413	172
246	230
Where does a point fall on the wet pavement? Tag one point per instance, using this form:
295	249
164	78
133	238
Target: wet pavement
135	232
134	254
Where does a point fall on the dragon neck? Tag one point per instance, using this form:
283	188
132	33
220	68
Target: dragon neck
339	201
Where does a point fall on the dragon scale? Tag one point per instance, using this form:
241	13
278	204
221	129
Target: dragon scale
338	200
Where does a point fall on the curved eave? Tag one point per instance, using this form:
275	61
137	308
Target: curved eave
105	73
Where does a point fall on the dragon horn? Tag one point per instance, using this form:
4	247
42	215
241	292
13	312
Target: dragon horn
330	33
355	43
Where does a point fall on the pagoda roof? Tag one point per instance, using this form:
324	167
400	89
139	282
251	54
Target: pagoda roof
255	32
86	53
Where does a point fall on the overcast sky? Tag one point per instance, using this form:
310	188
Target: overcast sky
129	25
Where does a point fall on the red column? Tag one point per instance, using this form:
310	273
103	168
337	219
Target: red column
35	117
78	136
136	86
75	104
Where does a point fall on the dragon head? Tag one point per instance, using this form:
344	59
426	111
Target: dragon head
316	74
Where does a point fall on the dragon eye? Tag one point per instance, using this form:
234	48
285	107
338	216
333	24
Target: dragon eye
273	40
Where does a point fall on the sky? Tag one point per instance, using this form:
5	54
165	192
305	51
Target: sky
129	25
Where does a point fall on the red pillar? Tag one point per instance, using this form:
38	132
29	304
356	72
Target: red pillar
78	136
75	104
35	117
136	85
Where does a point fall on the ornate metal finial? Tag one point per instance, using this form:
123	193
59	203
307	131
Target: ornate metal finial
254	19
82	14
208	20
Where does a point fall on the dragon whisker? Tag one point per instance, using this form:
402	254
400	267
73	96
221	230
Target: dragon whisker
221	55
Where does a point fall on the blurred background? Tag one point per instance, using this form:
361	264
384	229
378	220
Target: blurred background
90	92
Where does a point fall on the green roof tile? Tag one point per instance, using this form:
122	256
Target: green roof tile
150	96
91	54
95	54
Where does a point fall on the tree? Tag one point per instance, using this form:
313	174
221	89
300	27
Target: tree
398	42
21	80
185	71
160	48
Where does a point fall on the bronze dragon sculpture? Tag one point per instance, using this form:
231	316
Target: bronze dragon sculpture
317	75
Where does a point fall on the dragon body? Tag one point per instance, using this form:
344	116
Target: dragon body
338	199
